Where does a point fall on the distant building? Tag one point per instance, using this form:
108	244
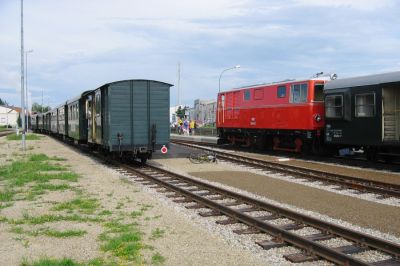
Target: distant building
204	112
9	115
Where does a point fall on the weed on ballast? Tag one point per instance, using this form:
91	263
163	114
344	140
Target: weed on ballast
19	137
82	205
48	232
33	173
123	241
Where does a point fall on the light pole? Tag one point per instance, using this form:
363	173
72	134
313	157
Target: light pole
223	71
26	89
22	77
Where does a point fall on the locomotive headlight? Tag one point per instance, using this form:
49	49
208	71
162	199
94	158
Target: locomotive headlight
317	118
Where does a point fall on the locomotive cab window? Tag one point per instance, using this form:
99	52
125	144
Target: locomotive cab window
365	105
246	95
334	106
281	93
298	93
319	92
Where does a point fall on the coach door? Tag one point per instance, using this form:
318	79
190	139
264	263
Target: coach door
89	117
390	113
97	117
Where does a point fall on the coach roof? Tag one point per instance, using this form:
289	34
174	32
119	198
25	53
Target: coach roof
363	80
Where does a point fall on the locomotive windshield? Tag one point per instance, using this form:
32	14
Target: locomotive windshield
319	92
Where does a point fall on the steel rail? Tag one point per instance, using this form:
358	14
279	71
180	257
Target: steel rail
382	188
287	236
362	239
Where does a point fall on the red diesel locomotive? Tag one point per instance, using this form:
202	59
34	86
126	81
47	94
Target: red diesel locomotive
287	115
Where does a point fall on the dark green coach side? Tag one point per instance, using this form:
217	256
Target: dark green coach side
76	119
129	117
364	112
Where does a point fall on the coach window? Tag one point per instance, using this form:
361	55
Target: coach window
334	106
365	105
298	93
281	93
246	95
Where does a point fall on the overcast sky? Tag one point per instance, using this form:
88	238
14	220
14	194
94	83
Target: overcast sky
82	44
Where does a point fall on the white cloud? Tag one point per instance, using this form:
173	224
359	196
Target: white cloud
367	5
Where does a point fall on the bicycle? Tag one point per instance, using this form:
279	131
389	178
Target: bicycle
203	157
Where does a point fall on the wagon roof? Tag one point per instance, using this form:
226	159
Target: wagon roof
114	82
363	80
77	98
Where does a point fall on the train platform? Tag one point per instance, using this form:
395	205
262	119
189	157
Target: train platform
195	138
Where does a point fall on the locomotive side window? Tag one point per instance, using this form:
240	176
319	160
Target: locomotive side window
365	105
298	93
281	93
246	95
258	94
319	92
334	106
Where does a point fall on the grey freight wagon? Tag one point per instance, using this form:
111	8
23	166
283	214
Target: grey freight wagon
129	117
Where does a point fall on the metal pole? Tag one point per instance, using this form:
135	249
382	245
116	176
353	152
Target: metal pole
22	76
179	84
26	89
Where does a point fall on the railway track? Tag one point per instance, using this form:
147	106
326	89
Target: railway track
360	185
6	132
261	218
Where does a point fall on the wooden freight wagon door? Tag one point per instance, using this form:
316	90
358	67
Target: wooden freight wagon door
391	113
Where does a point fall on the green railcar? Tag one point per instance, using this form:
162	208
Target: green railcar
129	117
76	120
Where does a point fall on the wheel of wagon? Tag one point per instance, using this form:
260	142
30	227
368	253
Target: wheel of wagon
371	154
143	159
317	148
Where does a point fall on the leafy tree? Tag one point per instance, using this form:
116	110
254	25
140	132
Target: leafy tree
19	121
181	111
3	102
39	108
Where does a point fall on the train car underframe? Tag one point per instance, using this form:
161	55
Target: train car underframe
299	141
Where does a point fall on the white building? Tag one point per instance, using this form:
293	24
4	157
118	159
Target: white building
9	115
204	112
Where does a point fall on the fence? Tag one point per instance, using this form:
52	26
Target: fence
201	131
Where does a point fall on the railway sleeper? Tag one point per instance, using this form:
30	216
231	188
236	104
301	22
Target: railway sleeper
184	200
247	231
228	221
276	242
210	213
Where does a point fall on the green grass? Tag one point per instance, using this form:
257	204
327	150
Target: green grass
49	218
52	262
157	233
87	206
41	188
48	232
19	137
123	241
35	169
157	259
6	195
